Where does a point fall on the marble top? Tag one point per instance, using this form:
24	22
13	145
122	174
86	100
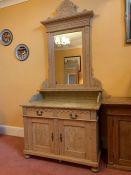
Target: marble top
84	104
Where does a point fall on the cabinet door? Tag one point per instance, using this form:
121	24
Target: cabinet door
122	127
41	136
78	139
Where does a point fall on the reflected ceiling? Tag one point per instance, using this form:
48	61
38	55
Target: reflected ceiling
75	41
6	3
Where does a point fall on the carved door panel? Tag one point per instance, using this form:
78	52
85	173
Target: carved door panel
72	137
122	139
41	133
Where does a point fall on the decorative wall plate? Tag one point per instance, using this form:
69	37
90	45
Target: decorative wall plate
6	37
22	52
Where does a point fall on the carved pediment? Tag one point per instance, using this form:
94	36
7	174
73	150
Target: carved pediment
66	8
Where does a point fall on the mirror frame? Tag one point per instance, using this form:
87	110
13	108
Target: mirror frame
128	21
70	21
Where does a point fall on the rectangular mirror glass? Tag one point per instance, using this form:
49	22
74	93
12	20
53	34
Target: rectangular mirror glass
68	58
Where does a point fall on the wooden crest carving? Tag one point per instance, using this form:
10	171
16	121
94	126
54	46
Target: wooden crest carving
66	8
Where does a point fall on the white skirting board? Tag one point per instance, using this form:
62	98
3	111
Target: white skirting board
12	131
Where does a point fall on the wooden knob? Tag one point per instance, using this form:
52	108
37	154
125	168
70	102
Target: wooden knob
39	113
73	116
76	116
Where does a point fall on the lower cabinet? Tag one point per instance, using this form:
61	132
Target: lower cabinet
68	135
119	136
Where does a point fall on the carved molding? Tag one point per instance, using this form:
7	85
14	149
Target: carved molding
66	8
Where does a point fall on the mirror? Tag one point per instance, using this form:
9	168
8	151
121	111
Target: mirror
68	58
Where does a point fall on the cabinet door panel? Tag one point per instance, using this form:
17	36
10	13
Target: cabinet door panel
123	140
72	136
110	138
41	133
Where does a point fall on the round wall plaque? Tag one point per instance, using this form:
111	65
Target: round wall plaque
22	52
6	37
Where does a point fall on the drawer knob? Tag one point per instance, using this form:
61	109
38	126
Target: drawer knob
39	113
76	116
73	116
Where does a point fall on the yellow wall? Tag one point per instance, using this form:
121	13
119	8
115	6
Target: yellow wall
20	80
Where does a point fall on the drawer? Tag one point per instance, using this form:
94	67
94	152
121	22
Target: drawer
59	113
39	112
118	110
74	114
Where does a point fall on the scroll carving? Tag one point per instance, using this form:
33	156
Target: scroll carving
95	83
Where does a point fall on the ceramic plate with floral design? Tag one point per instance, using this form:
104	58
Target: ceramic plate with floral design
6	37
22	52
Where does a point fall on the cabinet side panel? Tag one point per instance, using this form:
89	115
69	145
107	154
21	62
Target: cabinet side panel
26	133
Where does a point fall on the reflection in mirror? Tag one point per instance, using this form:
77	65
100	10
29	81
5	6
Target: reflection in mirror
68	58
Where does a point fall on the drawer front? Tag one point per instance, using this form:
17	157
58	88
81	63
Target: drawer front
59	113
74	114
38	112
118	110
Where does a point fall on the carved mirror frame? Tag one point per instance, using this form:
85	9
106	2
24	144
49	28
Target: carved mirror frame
67	20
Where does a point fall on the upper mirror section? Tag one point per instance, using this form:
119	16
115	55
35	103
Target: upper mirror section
68	58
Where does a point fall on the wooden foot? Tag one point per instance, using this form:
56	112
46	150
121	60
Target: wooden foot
95	169
27	156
